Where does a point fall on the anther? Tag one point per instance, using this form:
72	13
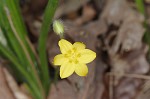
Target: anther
79	55
76	62
74	49
70	61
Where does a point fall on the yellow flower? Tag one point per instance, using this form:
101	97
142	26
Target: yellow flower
74	57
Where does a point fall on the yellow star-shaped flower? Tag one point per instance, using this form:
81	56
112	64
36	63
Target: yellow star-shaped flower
74	57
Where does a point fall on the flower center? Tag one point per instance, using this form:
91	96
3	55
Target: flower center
73	56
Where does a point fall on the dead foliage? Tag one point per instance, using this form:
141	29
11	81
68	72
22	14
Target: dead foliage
115	31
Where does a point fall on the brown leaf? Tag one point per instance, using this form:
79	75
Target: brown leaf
14	86
5	92
67	7
88	13
62	90
126	51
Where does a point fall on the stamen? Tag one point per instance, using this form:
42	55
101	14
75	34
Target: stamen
70	61
69	52
79	55
76	61
74	49
66	55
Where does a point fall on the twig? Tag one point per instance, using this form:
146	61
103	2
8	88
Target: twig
111	85
132	76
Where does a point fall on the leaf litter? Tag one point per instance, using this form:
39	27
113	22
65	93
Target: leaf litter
114	30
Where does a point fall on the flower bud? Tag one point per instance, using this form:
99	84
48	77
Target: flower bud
58	28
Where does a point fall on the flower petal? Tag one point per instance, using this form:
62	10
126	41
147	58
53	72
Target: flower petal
65	46
79	45
59	59
81	69
66	70
87	56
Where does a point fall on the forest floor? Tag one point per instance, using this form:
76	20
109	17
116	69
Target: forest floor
113	29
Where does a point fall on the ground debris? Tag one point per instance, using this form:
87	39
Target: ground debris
115	31
5	92
126	51
9	88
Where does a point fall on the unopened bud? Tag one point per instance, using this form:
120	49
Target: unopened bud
58	28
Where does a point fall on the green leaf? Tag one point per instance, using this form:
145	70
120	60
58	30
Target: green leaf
13	27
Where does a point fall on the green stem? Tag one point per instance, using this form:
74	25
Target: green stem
56	75
48	17
140	6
